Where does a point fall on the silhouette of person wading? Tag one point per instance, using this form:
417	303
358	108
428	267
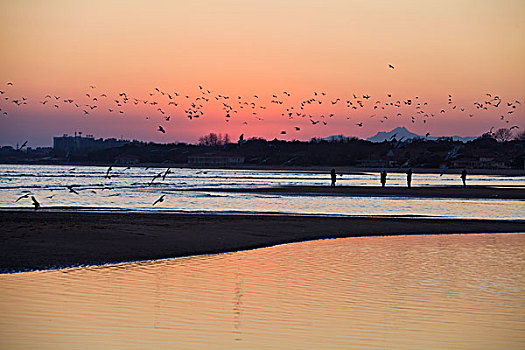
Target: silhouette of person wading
464	177
409	178
383	178
334	178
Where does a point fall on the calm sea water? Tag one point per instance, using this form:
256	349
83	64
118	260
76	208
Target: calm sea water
133	189
405	292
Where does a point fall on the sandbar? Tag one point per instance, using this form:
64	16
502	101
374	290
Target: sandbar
34	240
474	192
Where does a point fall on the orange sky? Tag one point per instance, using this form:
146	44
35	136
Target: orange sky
463	48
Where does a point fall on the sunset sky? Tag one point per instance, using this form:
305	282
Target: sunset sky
245	48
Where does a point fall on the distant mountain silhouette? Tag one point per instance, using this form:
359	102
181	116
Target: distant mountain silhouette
403	133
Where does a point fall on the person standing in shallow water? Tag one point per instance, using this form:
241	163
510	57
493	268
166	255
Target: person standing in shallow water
383	178
409	178
464	177
334	178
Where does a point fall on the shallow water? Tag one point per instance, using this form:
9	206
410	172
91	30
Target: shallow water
133	189
405	292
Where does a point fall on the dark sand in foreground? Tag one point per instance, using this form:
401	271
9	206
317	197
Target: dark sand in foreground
479	192
44	239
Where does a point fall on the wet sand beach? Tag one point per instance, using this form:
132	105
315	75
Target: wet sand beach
481	192
52	239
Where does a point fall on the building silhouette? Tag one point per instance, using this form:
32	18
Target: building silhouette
78	145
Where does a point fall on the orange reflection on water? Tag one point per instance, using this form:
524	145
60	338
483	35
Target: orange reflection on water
406	292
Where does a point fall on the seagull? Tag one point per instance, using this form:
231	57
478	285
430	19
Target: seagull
161	129
390	66
154	178
107	173
35	203
166	174
23	145
22	197
160	200
71	189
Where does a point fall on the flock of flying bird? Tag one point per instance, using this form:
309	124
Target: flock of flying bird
166	106
318	109
161	176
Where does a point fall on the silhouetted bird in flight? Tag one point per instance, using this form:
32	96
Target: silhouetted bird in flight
161	129
23	145
154	178
160	200
390	66
166	174
22	197
35	203
71	189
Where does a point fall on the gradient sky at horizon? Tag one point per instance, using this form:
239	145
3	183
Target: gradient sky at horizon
343	47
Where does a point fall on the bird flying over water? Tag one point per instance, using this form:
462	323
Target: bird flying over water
71	189
35	203
107	172
154	178
166	174
160	200
22	197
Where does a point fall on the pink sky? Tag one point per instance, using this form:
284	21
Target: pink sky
463	48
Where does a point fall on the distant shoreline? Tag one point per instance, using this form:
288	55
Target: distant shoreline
33	240
286	168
